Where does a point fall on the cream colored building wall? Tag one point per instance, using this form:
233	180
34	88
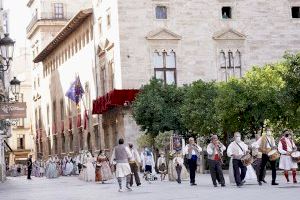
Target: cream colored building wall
101	10
21	68
267	25
56	84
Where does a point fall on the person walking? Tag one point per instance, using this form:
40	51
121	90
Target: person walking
192	152
215	152
236	150
29	167
134	163
121	154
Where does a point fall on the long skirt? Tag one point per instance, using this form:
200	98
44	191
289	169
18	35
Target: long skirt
51	171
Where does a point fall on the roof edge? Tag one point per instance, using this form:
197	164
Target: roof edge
63	33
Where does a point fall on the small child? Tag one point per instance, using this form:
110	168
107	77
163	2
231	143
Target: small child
162	166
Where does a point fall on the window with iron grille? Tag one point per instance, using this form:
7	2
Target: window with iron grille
165	66
58	10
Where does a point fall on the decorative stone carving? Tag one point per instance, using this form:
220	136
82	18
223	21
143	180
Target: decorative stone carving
229	34
163	34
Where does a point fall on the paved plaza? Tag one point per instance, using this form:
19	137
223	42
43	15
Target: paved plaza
71	188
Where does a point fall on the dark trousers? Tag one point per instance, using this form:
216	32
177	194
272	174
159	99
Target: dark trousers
264	160
178	171
192	168
79	167
134	171
257	165
29	173
216	172
239	171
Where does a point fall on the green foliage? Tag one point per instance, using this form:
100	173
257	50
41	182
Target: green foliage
162	140
198	108
156	108
268	95
291	93
145	140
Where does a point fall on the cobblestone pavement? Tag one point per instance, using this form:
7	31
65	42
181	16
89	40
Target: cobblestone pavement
71	188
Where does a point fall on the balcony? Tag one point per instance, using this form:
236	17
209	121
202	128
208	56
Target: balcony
48	16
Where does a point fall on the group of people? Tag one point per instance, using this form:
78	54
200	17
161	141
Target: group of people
251	159
247	161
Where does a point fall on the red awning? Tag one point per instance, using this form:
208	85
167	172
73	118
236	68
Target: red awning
112	99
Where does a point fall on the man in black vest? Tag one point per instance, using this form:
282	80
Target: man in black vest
29	167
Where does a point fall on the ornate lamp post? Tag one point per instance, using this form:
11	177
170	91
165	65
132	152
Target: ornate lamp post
6	50
15	87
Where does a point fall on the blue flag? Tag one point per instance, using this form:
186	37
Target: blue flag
76	91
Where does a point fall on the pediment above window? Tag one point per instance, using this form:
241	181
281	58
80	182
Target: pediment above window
229	34
163	34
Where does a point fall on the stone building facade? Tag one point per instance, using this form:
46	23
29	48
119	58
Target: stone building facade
176	41
48	18
184	41
64	127
21	141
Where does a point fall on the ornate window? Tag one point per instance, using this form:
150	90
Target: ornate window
230	64
165	66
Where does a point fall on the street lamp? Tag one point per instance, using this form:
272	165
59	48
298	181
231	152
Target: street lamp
15	87
6	50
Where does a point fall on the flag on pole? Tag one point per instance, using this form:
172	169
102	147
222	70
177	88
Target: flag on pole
76	91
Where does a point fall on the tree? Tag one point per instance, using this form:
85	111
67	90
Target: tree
145	140
198	108
246	104
290	95
156	108
162	141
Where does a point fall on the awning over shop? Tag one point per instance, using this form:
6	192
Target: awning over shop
113	99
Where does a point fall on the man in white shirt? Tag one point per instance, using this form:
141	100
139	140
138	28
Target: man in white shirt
236	150
134	162
265	144
215	152
192	152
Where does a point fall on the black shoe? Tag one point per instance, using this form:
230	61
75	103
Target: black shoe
274	183
216	185
264	181
193	184
243	182
138	184
239	185
259	183
223	185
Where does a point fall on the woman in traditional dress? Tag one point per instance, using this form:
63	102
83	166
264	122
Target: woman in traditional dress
90	169
36	168
103	171
68	166
51	169
42	168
